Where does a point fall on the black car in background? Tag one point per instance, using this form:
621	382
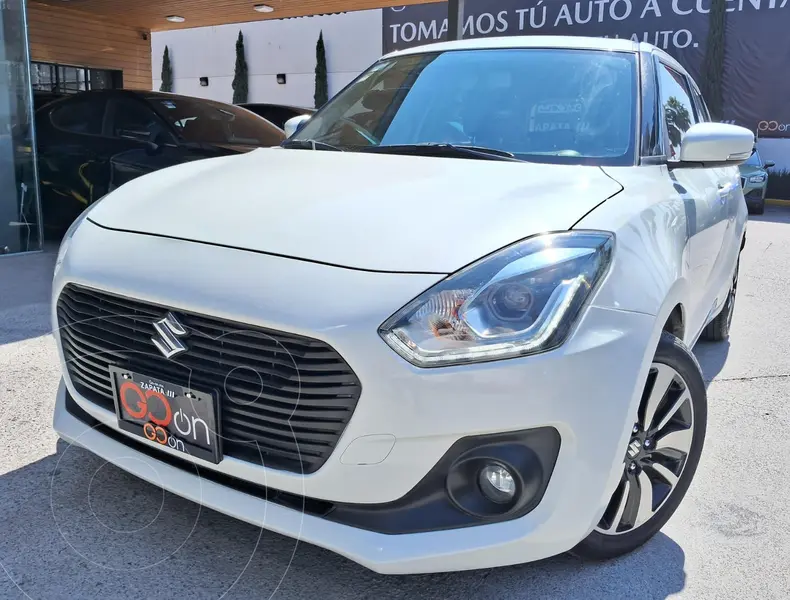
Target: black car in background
277	113
92	142
43	98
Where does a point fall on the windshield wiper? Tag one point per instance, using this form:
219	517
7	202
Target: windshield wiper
442	148
309	145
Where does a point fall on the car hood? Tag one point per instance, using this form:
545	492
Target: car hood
232	148
375	212
748	170
144	159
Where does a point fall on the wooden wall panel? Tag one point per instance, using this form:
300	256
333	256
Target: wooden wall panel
151	14
71	37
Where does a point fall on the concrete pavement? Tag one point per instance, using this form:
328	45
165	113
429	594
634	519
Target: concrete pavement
72	526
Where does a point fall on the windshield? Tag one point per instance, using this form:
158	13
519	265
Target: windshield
552	105
203	121
754	160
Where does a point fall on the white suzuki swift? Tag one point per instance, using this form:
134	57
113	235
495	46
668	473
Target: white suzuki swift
446	326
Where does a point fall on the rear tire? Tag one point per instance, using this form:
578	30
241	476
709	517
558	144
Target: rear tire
719	328
661	458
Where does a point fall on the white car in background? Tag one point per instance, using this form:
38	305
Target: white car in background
446	326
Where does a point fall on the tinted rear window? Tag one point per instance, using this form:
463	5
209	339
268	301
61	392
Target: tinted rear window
80	115
216	123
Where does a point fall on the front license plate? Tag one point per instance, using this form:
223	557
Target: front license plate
169	414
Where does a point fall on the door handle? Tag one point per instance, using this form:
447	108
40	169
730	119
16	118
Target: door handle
724	191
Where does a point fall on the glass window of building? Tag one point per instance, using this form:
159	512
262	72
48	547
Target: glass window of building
68	79
19	206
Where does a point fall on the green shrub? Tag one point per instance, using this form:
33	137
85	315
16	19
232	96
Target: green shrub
321	79
779	185
240	78
167	73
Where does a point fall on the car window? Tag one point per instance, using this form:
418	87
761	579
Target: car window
703	115
754	160
549	105
678	108
204	121
132	119
279	114
83	114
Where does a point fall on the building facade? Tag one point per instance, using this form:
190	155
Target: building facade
50	48
285	47
47	50
19	215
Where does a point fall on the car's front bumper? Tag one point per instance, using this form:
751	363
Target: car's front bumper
587	390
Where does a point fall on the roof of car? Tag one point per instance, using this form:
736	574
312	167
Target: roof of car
532	41
155	95
542	41
147	94
163	95
275	105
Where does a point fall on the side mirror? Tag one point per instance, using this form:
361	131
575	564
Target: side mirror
152	148
294	124
716	144
768	164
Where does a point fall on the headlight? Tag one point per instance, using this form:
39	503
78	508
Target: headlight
66	241
520	300
756	178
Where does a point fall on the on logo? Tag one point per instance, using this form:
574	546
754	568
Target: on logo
773	126
158	434
153	407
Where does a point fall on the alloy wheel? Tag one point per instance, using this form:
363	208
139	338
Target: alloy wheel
657	453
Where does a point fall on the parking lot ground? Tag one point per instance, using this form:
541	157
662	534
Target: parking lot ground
74	527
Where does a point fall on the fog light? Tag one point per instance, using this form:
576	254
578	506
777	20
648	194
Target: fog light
497	483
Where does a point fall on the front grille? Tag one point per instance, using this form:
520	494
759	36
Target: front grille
743	182
284	399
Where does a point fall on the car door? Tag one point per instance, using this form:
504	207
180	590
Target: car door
143	141
701	187
70	150
730	192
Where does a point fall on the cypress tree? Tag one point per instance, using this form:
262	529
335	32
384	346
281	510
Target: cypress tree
167	73
239	84
713	64
321	82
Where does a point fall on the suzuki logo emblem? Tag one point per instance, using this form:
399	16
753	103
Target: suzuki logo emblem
634	448
169	330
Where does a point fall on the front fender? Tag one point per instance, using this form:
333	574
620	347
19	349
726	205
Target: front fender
651	264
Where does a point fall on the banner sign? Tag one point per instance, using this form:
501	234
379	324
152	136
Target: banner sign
757	49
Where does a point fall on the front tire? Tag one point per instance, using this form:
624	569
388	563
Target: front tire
662	455
757	209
